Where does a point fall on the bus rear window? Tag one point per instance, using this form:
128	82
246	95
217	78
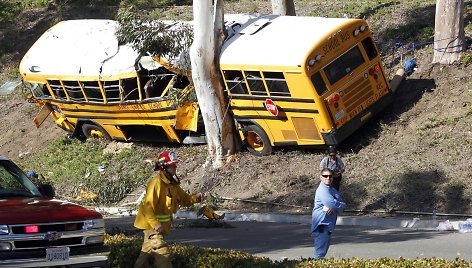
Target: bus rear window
369	48
276	84
344	65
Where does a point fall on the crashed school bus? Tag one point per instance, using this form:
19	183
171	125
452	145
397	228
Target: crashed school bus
93	86
291	81
301	80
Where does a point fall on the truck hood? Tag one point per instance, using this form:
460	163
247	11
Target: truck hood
42	209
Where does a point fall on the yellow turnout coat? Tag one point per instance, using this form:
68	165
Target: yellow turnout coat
162	199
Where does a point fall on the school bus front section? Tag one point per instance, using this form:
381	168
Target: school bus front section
302	80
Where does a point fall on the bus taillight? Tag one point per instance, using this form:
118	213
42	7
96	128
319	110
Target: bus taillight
331	101
374	70
336	97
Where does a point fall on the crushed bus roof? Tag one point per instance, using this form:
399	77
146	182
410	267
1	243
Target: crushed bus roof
80	48
89	47
276	40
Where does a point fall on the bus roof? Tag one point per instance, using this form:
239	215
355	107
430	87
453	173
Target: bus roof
80	48
277	40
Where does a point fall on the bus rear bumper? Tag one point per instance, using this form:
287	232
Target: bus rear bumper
338	135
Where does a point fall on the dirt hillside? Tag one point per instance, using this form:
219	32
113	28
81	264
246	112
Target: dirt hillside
413	157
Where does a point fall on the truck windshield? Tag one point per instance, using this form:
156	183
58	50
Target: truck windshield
14	182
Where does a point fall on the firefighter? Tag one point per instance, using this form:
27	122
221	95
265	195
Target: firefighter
162	198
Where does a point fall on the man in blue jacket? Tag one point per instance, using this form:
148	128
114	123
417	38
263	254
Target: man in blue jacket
327	205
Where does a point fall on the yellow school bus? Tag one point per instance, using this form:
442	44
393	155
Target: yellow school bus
296	81
93	86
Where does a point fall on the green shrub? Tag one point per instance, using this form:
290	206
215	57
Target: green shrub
8	10
467	58
125	250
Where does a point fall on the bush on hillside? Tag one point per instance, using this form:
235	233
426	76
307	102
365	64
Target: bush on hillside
124	251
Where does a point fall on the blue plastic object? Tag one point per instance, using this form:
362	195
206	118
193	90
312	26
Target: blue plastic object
32	174
409	66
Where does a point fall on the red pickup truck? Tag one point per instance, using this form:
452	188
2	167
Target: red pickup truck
37	230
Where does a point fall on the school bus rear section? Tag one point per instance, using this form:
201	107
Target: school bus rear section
301	80
92	86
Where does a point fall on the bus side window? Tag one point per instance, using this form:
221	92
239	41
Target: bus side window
92	91
235	81
344	65
112	90
256	85
157	82
39	91
276	84
73	90
130	89
57	89
319	84
369	47
181	82
45	91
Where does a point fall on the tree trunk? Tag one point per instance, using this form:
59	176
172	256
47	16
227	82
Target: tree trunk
449	39
283	7
204	55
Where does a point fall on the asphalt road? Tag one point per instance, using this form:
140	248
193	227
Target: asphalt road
293	241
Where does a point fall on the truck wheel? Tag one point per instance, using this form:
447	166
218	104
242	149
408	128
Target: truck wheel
94	131
257	141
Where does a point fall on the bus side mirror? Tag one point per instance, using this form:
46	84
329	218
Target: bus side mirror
46	190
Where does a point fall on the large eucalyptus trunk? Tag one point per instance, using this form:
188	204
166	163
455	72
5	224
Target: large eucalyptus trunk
449	39
283	7
204	55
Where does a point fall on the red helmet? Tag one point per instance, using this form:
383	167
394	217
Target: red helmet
167	158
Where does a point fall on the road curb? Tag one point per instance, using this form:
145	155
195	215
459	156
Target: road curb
367	221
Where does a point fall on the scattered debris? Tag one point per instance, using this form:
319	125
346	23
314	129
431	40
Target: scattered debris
9	86
445	226
466	226
116	147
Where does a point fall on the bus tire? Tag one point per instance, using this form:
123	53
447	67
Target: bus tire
256	141
94	131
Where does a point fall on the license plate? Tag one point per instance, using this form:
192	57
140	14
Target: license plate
57	254
365	105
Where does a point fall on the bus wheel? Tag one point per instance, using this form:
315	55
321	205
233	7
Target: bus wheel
94	131
257	141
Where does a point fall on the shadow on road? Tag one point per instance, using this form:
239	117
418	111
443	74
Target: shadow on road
356	234
257	237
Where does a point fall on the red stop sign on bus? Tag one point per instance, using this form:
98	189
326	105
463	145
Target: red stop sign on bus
271	107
